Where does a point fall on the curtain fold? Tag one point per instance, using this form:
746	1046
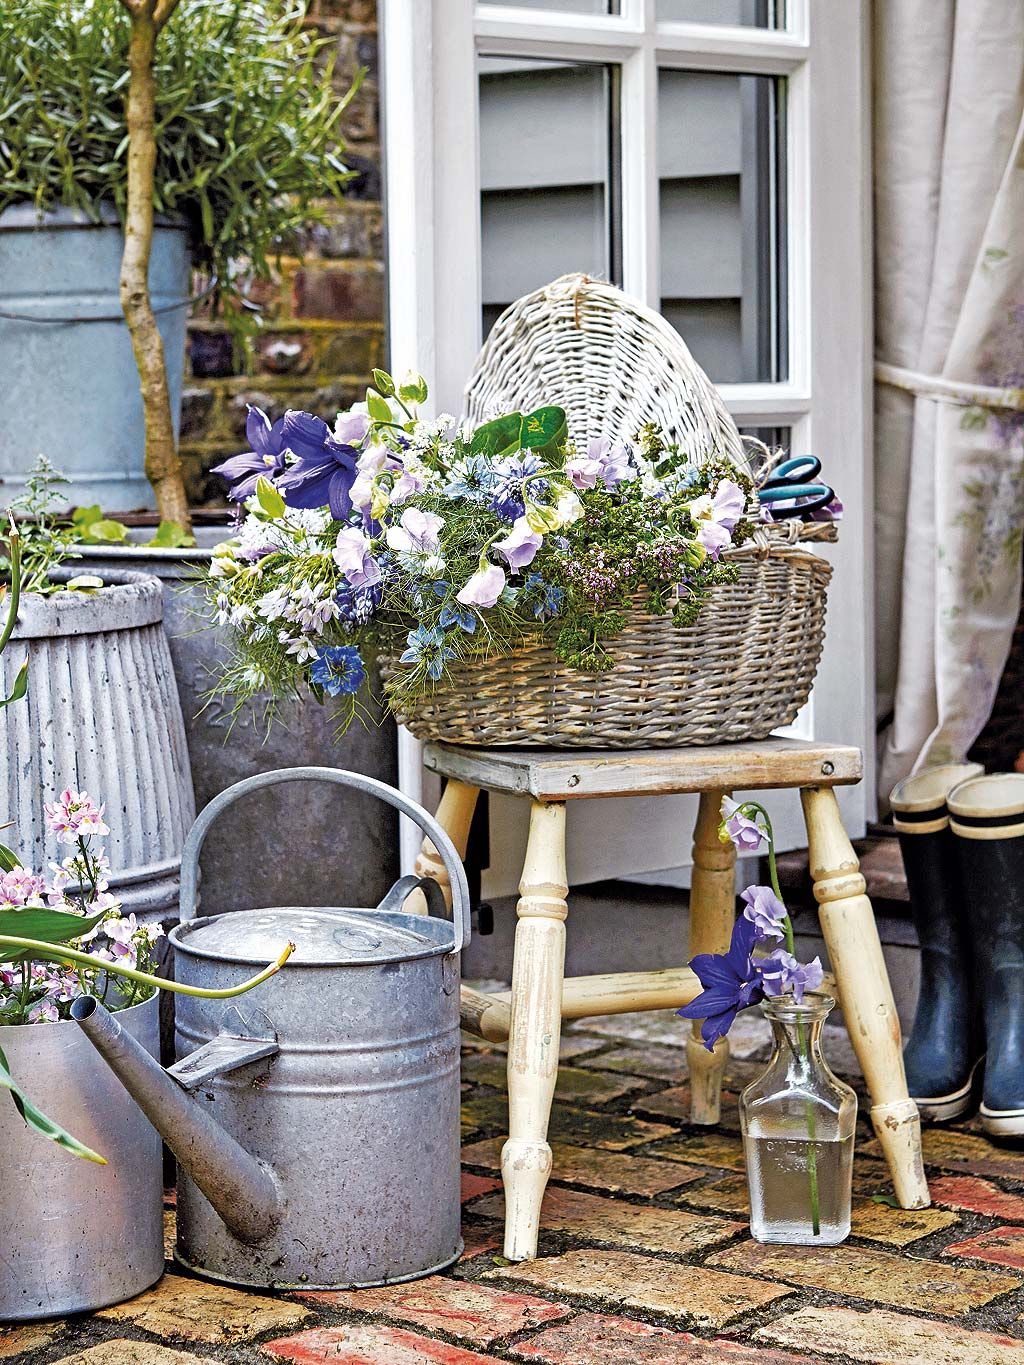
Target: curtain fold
949	295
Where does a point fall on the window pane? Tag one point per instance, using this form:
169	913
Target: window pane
720	145
748	13
548	186
562	6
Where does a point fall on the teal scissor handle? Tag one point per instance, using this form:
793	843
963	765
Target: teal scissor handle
796	481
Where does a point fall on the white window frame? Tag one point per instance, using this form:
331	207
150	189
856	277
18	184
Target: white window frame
431	159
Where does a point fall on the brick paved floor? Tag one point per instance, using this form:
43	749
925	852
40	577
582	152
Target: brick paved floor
644	1257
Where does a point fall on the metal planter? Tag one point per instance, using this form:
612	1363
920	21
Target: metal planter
71	387
77	1236
102	714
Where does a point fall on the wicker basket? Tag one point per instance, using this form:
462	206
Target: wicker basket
745	668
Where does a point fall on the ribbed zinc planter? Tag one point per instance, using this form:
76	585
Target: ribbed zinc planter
71	389
101	715
76	1235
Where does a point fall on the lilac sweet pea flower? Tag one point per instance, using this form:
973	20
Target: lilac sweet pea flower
748	835
351	427
266	457
717	517
484	588
731	982
613	460
780	972
583	471
520	545
325	469
765	911
352	555
418	532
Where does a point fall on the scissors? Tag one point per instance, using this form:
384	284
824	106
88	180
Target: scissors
795	489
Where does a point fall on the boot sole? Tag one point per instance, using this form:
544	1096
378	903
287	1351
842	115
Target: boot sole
946	1108
1003	1122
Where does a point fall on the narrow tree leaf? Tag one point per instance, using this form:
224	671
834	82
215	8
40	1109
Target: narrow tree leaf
38	1121
20	686
269	498
47	926
8	859
383	383
378	408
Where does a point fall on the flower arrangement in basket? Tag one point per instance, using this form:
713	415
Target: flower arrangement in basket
451	555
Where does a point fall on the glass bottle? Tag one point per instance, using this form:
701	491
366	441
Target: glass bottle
798	1122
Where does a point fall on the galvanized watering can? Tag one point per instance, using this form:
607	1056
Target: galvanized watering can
315	1121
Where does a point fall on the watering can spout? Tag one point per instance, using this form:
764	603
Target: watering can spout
242	1190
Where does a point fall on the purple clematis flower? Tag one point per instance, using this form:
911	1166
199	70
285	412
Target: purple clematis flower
266	458
780	972
731	982
764	910
325	468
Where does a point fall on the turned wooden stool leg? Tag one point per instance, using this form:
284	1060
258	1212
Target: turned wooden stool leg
536	1025
712	912
454	815
849	927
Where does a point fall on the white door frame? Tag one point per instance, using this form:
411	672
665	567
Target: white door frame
431	162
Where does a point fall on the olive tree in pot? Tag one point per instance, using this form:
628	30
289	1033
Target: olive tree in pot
141	137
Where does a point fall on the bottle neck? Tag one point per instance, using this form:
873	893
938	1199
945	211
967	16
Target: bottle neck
797	1030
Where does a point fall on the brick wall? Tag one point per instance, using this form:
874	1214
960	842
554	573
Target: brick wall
323	314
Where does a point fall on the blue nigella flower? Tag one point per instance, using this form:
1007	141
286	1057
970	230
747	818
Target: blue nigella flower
472	478
338	669
455	614
428	646
266	456
547	599
731	982
508	498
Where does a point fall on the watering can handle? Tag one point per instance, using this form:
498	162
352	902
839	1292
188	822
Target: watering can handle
189	899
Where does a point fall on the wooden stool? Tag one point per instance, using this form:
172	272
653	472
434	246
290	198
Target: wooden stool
530	1015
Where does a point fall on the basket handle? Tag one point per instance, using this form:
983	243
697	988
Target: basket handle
189	897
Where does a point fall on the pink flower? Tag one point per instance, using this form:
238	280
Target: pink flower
19	887
484	588
352	555
417	533
74	816
520	545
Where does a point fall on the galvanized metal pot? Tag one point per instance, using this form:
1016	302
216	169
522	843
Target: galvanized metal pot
66	356
102	715
74	1235
315	1120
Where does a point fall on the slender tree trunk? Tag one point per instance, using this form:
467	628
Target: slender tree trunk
163	468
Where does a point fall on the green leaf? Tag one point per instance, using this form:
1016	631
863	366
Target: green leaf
500	437
413	389
383	383
38	1121
8	859
84	517
105	531
84	582
20	686
171	535
269	498
378	408
47	926
544	428
974	419
889	1200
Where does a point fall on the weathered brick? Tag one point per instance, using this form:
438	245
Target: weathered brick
970	1153
334	293
196	408
352	352
170	1234
675	1102
18	1340
211	355
689	1294
902	1281
883	1338
611	1131
284	352
661	1063
573	1083
596	1219
181	1309
474	1185
1001	1246
615	1172
570	1046
973	1195
599	1339
476	1313
366	1344
124	1352
478	1241
710	1148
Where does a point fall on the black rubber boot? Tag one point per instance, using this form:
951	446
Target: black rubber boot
945	1043
987	820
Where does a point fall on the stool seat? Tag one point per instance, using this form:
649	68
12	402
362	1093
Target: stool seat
574	774
530	1015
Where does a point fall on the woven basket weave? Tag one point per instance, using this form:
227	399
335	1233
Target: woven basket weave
746	666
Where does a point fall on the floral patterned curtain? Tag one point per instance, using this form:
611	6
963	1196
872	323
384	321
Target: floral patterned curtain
949	436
